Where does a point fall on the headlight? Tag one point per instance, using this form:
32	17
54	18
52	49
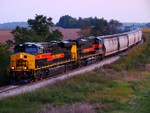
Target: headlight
12	67
21	56
25	67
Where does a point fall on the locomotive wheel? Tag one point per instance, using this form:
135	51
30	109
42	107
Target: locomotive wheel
82	63
99	58
68	67
41	74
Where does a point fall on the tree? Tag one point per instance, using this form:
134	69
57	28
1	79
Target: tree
9	43
38	31
90	26
85	28
100	28
40	24
114	26
54	35
67	22
4	60
21	35
147	25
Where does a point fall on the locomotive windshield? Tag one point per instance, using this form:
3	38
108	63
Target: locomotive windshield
31	49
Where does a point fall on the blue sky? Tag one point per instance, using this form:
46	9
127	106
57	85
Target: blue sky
122	10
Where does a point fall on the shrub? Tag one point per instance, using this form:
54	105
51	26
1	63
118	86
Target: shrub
4	60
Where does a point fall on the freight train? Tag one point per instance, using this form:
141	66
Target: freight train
32	61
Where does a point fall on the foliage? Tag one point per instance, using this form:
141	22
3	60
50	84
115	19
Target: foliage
90	26
114	26
90	87
85	28
38	31
4	60
67	22
101	27
55	35
147	25
9	43
141	105
40	25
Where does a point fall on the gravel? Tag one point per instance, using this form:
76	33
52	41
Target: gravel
45	82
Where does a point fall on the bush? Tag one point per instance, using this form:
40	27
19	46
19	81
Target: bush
4	61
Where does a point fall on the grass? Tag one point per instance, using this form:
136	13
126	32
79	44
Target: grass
119	88
134	58
88	88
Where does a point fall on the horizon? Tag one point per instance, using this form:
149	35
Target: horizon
124	11
73	17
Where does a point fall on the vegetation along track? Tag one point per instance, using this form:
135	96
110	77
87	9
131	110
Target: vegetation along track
15	90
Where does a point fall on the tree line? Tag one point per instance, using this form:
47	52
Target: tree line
90	26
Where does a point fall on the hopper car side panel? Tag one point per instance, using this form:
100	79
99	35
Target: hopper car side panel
140	35
136	37
123	42
111	45
131	39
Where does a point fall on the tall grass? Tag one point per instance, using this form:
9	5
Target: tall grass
90	88
135	57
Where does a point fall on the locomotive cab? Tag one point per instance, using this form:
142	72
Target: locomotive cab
22	62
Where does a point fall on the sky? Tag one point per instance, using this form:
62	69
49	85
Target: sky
121	10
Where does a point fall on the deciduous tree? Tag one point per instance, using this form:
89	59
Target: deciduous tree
38	31
114	26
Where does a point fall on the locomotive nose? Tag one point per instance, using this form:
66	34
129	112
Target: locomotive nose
22	64
22	61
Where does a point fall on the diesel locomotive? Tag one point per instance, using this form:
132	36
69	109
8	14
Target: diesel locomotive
32	61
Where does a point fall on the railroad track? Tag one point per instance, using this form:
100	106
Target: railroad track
8	88
13	90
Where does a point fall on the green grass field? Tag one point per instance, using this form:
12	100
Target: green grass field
123	87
